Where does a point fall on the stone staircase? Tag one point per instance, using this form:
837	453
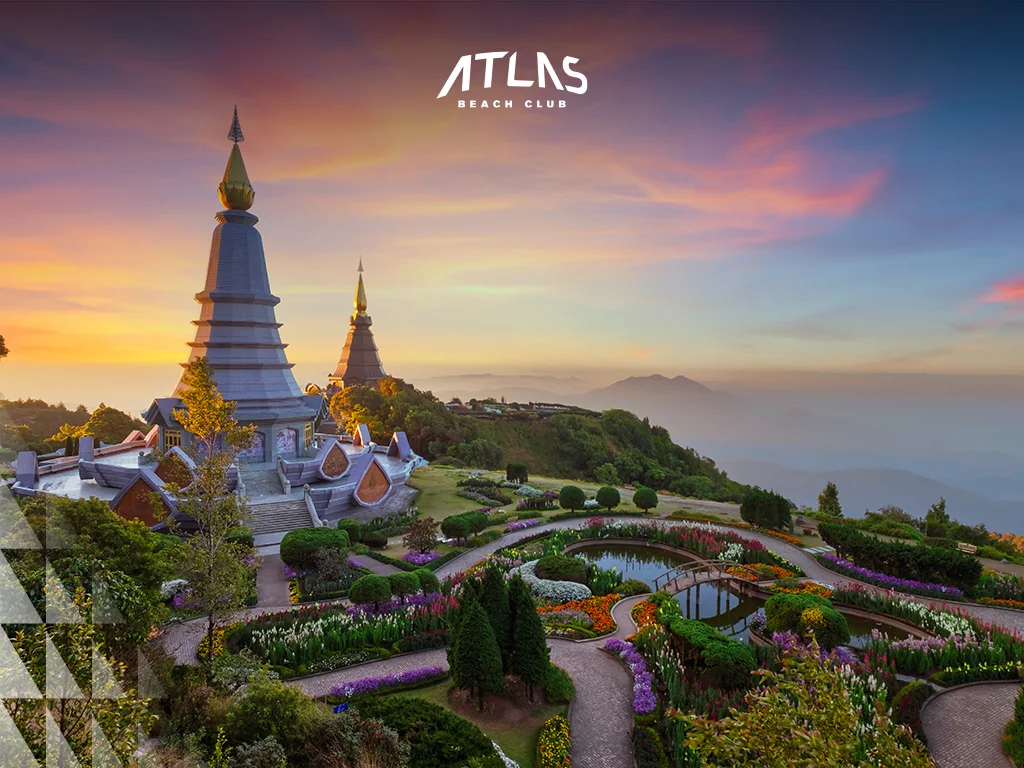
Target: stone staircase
261	482
279	516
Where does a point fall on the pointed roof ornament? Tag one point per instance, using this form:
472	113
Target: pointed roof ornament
235	134
360	302
360	264
235	191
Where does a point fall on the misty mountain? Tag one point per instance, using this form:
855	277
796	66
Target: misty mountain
861	489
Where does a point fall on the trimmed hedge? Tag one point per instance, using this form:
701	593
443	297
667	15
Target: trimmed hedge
299	547
558	686
428	580
921	562
562	568
242	535
433	565
353	528
728	661
374	539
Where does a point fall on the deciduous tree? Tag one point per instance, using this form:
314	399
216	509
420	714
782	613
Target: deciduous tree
828	501
421	534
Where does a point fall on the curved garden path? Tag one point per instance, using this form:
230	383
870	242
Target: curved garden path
602	714
964	726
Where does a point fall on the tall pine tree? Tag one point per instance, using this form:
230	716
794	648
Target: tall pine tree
530	654
494	599
474	657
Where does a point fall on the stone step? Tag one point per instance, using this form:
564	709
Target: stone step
261	482
278	517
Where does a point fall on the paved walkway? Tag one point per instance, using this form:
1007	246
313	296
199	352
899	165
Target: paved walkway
374	566
964	726
271	583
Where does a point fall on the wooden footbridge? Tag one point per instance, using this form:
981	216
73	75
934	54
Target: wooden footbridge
701	571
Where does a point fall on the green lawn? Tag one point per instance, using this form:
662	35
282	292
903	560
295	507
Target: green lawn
517	740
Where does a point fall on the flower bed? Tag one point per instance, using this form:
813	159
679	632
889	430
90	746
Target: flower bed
1015	604
302	637
405	679
419	558
644	700
521	524
492	497
599	609
966	673
742	526
644	614
558	591
433	565
805	588
757	573
846	568
554	744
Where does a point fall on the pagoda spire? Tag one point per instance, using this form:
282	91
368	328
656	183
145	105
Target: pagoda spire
235	190
360	302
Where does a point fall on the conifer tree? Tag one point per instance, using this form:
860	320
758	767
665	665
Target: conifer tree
530	654
828	501
494	599
476	661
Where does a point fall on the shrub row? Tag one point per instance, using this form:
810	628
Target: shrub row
728	661
462	525
299	547
919	562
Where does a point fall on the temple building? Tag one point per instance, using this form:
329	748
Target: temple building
238	334
360	359
294	475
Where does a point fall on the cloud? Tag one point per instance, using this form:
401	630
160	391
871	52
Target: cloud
1007	291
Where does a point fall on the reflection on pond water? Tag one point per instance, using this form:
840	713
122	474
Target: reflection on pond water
634	562
714	605
730	614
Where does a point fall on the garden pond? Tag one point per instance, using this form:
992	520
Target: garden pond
715	605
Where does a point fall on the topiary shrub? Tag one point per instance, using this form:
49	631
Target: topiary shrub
428	580
403	584
645	498
805	613
241	535
517	472
299	547
455	527
562	568
608	497
572	498
370	589
353	528
374	539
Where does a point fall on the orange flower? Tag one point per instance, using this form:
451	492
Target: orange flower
644	613
599	609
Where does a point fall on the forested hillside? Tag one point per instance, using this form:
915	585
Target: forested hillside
615	447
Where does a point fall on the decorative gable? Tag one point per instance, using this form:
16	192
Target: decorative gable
135	500
374	485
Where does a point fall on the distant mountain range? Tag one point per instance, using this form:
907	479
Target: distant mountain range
862	489
888	456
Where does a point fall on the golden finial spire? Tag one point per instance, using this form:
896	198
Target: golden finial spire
360	292
235	191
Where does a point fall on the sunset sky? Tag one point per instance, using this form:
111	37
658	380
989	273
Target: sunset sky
743	188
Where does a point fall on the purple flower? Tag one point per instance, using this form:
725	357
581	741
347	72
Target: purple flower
644	700
370	684
892	582
518	526
419	558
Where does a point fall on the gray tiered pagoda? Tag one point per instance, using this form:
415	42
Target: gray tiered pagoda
360	360
237	333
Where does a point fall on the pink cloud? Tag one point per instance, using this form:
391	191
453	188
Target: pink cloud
1007	291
